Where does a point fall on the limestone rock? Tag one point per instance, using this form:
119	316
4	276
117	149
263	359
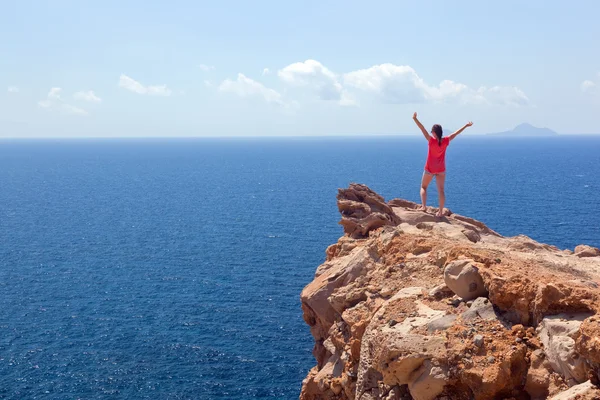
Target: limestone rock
463	278
557	335
363	211
583	391
526	324
402	355
428	382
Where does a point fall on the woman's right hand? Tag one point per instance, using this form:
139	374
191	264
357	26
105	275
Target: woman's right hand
415	115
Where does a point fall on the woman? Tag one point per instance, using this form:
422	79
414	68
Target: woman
436	161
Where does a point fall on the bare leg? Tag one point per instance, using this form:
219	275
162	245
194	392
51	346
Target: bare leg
440	179
425	181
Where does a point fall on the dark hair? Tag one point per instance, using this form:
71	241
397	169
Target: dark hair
437	129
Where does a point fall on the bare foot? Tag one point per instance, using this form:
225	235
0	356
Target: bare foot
440	213
422	208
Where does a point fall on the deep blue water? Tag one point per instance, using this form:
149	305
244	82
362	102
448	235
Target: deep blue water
171	269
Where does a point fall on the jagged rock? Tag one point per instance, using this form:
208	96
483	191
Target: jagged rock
319	311
363	211
333	368
463	278
557	333
387	325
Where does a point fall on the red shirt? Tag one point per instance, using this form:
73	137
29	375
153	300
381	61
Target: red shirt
436	156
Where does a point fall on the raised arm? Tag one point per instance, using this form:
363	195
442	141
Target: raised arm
458	132
421	127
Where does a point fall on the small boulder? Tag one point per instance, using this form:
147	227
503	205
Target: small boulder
441	324
472	235
481	308
586	251
463	278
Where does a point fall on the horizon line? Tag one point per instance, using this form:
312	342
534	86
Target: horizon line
361	135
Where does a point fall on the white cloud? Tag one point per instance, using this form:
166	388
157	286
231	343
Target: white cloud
587	85
389	83
400	84
134	86
208	84
314	74
87	96
207	68
246	87
392	83
13	89
53	101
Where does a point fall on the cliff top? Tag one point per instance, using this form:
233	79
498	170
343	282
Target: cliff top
411	306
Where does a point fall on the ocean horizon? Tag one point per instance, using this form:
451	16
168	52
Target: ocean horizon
494	136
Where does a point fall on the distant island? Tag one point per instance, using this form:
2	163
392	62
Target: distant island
526	130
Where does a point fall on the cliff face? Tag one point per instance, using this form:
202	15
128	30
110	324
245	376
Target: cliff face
410	306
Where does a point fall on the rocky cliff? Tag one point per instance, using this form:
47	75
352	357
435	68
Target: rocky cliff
410	306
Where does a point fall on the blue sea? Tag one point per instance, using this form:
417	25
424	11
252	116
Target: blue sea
172	269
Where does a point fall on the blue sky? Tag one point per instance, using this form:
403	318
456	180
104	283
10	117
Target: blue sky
234	68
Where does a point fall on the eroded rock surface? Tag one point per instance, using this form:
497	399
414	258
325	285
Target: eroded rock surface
411	306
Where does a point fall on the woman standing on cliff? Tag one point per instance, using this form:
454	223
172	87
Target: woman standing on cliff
436	161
